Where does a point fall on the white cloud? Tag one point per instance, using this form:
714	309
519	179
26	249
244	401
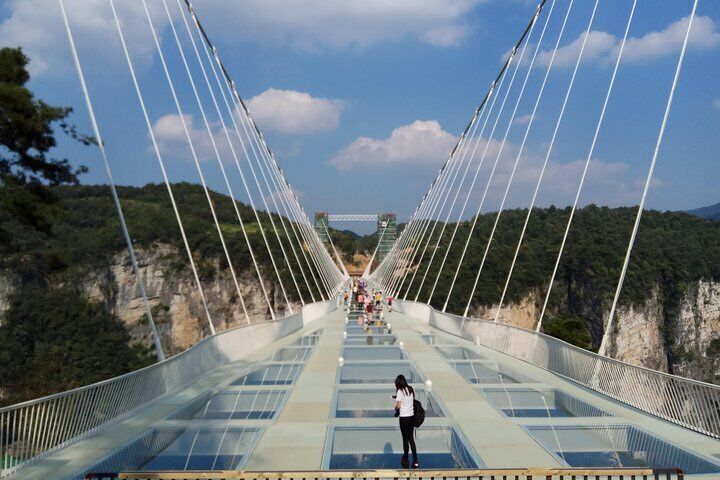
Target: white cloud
603	47
523	119
716	103
598	45
421	142
172	140
321	24
37	27
704	35
289	111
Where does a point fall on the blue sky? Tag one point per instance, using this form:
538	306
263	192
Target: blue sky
361	101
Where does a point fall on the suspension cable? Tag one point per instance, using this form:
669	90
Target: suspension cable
646	188
217	156
591	151
116	199
488	142
235	158
161	162
519	155
547	159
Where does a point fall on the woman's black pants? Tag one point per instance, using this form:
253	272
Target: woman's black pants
406	428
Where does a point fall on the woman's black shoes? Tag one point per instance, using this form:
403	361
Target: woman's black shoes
416	465
404	462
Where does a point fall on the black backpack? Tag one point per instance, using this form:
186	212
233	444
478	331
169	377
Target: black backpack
418	413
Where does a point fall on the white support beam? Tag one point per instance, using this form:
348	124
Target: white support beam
352	218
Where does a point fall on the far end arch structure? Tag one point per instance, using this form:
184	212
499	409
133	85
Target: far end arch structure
386	228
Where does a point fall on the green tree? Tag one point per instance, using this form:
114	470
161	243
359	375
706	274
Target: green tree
51	338
27	135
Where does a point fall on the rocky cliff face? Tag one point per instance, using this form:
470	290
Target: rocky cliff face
686	343
176	302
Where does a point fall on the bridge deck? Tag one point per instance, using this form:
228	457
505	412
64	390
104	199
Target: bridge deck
483	411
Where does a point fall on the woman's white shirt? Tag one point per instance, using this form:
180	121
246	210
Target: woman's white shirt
406	403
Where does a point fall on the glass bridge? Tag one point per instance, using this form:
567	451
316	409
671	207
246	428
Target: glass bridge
320	399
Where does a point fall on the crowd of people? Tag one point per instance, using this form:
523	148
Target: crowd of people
368	304
370	301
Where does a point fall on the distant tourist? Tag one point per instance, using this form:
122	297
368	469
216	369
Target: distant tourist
405	397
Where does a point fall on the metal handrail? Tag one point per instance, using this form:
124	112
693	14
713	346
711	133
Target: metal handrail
30	430
686	402
496	474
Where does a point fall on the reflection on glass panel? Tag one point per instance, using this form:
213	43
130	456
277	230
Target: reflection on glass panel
381	447
203	449
378	403
476	372
366	339
375	353
181	449
284	374
432	339
292	354
378	373
540	403
243	404
617	446
456	352
371	330
306	341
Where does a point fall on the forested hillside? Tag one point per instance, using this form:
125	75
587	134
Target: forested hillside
674	253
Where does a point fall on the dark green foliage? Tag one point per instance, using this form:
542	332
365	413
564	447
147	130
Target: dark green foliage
672	251
89	235
572	330
26	137
53	339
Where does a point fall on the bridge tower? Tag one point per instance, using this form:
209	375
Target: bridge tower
387	234
321	227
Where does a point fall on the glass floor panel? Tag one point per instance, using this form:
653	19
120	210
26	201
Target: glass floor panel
308	340
357	330
617	446
378	373
292	354
284	374
373	353
370	340
243	404
476	372
362	403
203	449
431	339
456	352
182	449
381	447
528	403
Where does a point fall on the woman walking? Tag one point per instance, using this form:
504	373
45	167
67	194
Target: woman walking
405	397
